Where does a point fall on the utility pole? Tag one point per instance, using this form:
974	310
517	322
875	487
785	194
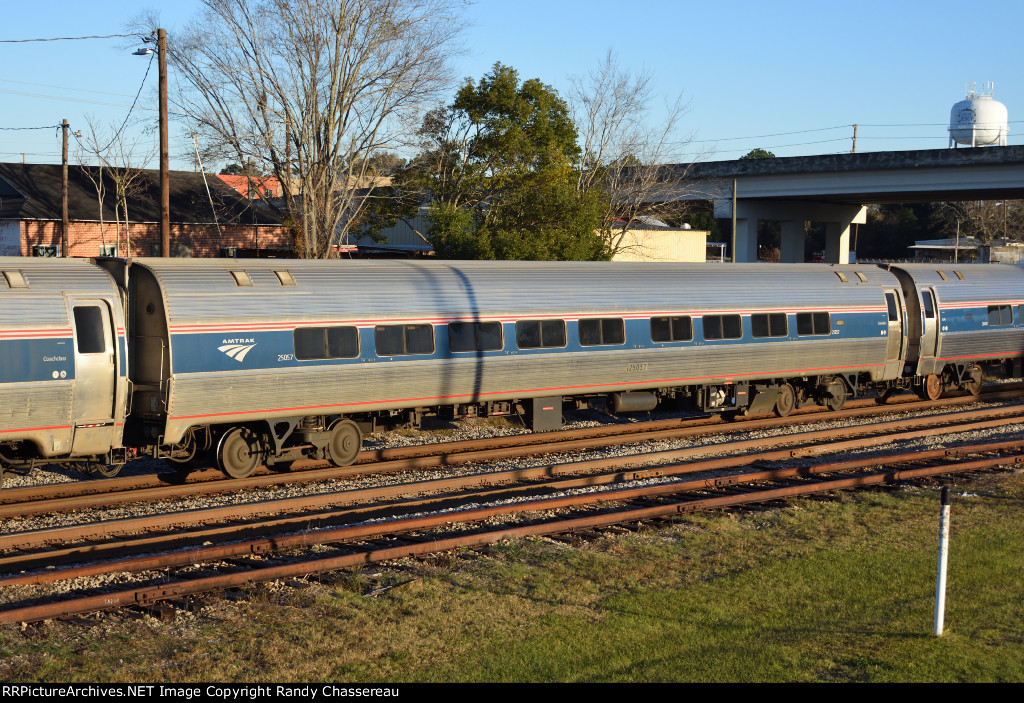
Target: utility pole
854	149
64	190
165	173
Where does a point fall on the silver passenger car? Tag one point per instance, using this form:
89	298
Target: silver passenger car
63	363
250	359
962	316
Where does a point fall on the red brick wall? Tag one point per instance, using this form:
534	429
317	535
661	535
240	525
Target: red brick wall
202	241
260	184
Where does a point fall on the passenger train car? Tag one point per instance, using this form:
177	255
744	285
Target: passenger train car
250	362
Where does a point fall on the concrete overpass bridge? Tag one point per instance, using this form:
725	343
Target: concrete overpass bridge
836	188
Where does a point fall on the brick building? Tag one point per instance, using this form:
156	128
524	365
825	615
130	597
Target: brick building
203	224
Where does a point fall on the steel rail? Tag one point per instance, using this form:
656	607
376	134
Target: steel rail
105	529
447	453
178	541
153	594
446	458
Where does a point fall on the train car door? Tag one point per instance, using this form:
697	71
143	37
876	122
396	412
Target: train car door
930	325
95	377
894	347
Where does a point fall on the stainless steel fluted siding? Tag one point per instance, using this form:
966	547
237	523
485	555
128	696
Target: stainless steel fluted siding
217	398
42	413
203	292
990	343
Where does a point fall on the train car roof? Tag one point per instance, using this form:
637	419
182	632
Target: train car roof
969	283
211	290
19	274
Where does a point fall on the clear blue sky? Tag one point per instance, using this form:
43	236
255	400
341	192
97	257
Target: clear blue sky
791	77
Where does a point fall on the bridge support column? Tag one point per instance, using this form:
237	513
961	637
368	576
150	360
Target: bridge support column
837	243
793	214
793	235
746	240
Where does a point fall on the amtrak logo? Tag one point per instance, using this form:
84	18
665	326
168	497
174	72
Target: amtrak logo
237	348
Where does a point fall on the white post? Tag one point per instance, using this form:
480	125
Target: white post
940	586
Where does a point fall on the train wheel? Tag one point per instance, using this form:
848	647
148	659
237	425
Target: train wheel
974	385
786	402
238	452
345	443
932	387
837	396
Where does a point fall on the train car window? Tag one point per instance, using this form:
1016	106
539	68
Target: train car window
929	305
1020	314
342	342
769	324
474	336
534	334
602	331
671	329
811	323
890	303
89	330
397	340
326	343
722	327
1000	315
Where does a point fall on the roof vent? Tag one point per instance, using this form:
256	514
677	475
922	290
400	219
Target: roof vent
15	279
242	278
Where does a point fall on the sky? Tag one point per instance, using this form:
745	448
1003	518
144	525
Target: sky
790	77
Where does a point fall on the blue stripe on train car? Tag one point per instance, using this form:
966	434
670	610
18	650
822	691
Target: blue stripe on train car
32	360
264	350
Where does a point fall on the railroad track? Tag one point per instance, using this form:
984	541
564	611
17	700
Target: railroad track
81	495
639	487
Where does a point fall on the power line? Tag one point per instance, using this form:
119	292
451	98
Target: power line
777	134
60	97
123	124
845	126
64	87
105	36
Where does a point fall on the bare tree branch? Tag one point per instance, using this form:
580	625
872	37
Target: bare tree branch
311	89
623	153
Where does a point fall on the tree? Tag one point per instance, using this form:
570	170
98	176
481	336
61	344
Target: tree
758	154
498	166
118	160
249	169
988	221
310	90
623	156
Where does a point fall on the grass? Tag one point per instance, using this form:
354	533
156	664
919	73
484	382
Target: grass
835	590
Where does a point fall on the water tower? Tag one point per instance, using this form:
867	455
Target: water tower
978	119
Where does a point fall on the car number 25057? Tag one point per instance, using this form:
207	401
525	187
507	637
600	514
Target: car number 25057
636	367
